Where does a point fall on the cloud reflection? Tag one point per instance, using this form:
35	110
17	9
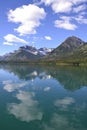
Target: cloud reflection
59	122
11	86
65	102
46	89
27	110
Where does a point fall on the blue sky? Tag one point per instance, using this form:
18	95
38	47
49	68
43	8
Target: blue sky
41	23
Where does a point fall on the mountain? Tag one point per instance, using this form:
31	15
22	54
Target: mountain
45	51
80	53
67	48
26	53
73	49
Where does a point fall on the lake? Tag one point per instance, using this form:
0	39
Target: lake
43	98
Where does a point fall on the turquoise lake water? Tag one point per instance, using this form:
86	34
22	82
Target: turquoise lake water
43	98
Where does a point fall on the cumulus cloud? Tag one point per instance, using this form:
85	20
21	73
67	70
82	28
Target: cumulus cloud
63	6
27	110
48	38
65	23
67	7
10	39
28	17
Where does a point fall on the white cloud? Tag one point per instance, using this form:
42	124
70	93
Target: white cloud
78	1
48	38
59	6
28	17
47	2
27	110
79	8
8	43
69	7
37	2
63	6
80	19
65	23
12	38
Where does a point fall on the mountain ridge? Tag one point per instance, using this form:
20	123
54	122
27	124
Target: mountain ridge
73	49
25	53
67	47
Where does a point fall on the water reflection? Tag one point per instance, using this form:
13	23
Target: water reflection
27	110
64	103
68	115
38	97
61	122
11	86
71	78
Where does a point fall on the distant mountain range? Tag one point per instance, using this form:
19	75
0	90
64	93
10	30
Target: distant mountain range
73	48
26	53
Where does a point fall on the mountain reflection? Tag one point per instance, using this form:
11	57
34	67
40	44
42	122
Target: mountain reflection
36	97
71	78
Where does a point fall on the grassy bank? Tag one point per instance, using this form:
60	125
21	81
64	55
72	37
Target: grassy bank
74	62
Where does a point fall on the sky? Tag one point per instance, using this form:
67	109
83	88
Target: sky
40	23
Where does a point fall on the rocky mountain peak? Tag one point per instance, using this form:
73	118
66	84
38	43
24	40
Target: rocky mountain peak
73	42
